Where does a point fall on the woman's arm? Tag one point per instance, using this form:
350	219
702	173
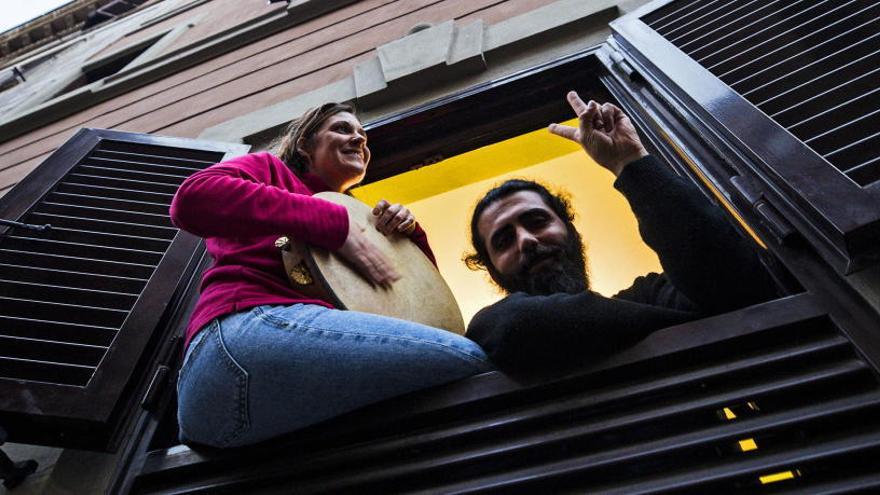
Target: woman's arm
237	198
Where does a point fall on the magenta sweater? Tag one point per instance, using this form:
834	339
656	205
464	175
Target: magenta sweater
240	207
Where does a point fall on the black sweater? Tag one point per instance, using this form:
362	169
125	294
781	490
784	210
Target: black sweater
708	268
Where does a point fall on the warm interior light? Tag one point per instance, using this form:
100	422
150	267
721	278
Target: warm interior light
776	477
728	413
442	197
748	444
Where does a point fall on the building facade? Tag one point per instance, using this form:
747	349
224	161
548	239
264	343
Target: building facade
733	96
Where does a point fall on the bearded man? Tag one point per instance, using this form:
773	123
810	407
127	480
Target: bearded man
524	237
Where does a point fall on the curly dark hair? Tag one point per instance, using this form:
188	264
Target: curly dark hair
560	203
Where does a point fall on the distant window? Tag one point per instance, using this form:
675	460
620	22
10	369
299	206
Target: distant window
10	78
107	66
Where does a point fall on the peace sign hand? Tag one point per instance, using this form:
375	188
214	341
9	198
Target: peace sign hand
605	133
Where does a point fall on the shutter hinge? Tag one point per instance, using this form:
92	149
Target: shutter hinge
161	376
157	386
779	227
614	59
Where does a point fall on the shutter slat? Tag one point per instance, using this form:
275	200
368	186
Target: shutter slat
51	351
45	371
113	215
175	161
62	312
745	21
120	204
72	279
122	173
108	226
91	237
153	168
80	249
49	293
56	331
99	180
67	262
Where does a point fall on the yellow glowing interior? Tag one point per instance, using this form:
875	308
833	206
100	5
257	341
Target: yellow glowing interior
748	444
442	197
775	477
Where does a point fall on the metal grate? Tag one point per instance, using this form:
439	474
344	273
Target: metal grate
811	66
65	293
791	407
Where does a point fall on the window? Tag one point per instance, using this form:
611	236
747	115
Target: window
442	197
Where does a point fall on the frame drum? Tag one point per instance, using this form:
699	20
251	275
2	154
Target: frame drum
420	295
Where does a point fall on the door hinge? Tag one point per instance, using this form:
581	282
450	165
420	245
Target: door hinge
768	214
613	58
157	386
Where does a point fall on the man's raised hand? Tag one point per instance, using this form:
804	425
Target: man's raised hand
605	133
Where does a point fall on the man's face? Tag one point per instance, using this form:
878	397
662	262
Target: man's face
530	248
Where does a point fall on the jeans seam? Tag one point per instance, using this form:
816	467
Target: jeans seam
393	337
241	419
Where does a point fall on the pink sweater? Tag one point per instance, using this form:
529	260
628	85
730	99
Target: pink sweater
240	207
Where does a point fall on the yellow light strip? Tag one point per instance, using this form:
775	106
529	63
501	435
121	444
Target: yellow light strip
715	192
776	477
748	444
728	413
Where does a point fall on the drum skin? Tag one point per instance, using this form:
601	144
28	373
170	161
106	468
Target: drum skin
420	295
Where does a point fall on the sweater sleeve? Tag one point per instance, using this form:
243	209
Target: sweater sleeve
420	238
523	331
237	198
702	254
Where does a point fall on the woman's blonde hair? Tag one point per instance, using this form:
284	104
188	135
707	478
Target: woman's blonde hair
285	146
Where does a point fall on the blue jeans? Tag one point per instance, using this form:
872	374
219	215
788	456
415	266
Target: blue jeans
270	370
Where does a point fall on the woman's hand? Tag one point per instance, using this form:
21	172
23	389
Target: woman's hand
605	133
393	218
366	258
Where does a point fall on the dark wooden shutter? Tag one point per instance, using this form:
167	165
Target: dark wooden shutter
793	88
771	392
82	302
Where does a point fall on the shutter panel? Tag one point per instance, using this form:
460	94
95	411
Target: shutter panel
81	303
793	87
772	392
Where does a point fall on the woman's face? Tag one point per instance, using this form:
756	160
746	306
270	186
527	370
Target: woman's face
338	152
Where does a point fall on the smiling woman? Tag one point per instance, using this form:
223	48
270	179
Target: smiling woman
262	359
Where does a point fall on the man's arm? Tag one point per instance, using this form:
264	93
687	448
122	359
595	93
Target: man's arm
702	254
523	331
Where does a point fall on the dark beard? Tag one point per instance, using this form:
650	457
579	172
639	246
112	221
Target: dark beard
565	273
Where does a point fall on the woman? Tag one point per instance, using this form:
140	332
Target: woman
261	359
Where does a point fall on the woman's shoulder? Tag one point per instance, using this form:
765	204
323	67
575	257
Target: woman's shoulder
259	158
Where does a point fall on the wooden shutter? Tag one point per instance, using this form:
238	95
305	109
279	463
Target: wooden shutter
793	88
81	303
772	397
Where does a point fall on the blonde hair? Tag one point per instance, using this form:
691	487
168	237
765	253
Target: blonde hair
285	146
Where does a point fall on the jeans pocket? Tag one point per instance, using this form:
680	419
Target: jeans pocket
213	393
